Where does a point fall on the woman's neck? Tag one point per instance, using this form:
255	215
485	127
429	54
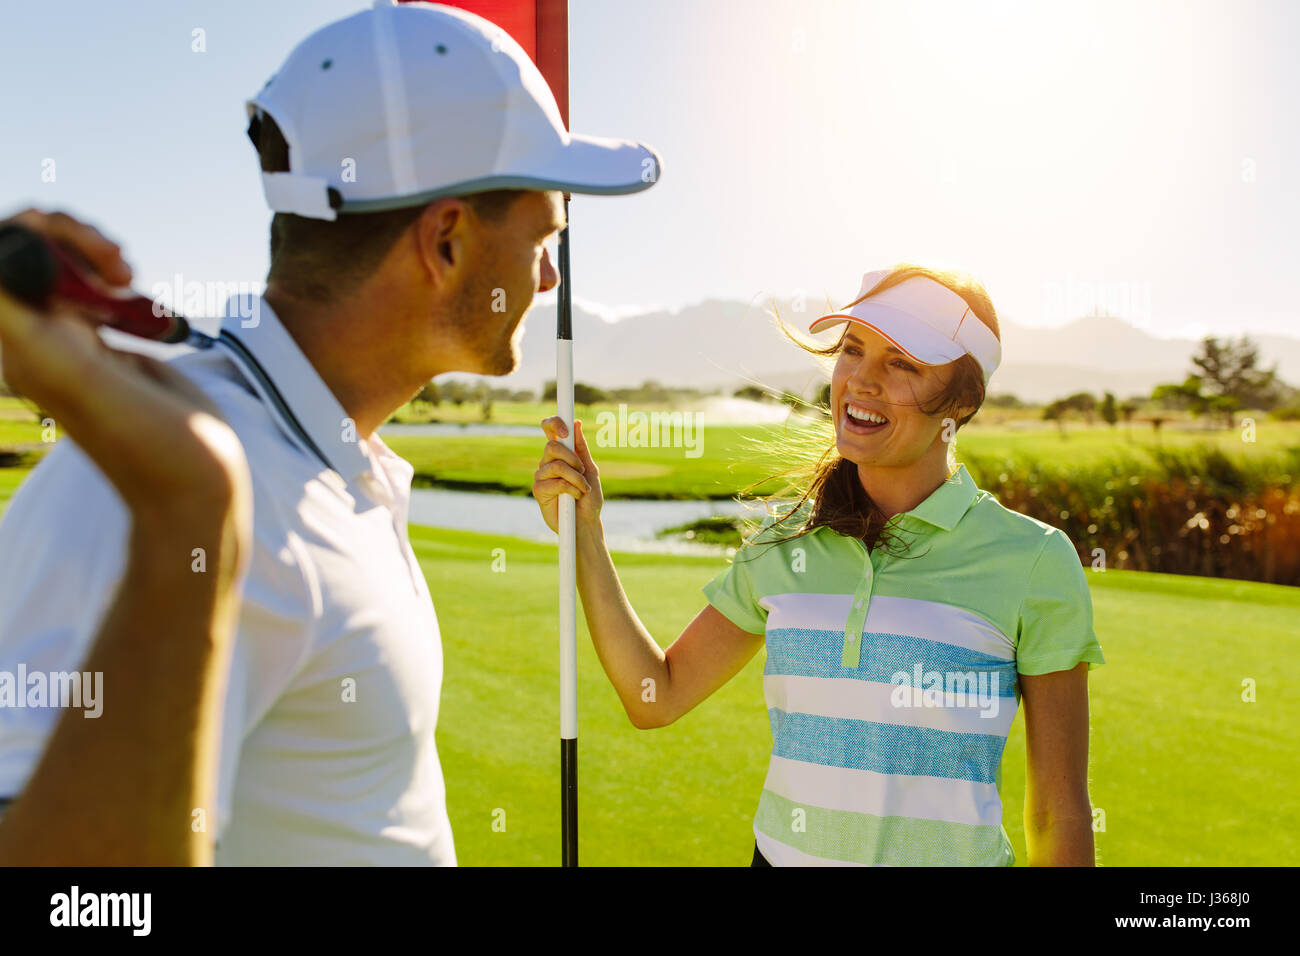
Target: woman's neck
896	489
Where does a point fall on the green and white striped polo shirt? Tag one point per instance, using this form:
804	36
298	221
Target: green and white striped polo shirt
891	681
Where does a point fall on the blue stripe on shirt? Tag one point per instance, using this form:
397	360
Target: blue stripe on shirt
885	748
813	652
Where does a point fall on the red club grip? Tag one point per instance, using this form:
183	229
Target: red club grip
37	272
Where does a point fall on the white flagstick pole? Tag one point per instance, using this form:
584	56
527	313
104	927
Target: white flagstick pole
568	572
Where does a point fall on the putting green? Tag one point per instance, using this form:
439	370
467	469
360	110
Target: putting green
1185	771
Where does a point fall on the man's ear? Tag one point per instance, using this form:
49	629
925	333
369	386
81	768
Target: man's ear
441	236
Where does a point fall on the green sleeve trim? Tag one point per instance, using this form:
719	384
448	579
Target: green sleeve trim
1065	661
729	608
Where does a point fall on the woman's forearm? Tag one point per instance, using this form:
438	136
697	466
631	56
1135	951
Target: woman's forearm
634	663
136	785
1063	842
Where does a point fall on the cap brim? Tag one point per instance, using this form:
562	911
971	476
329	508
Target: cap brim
921	342
597	166
586	164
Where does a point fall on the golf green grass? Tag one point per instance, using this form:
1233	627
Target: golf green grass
10	479
733	456
19	432
726	464
1185	771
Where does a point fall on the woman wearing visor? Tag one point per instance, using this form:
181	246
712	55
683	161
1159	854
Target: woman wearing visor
905	612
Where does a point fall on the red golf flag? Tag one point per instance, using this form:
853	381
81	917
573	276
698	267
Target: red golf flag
541	27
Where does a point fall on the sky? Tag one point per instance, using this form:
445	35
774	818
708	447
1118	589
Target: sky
1140	158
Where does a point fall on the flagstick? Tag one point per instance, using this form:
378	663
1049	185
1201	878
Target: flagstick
568	572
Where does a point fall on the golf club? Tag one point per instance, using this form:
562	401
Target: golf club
38	272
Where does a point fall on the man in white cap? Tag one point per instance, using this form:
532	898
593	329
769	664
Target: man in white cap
415	159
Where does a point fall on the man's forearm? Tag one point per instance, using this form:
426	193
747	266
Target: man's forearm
123	788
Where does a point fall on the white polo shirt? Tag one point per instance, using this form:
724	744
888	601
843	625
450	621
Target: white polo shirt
328	753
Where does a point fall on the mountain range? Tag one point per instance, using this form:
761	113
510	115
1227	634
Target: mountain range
729	344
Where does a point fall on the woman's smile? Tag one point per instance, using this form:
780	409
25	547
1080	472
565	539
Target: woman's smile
860	419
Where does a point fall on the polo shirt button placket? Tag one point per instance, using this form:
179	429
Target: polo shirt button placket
852	652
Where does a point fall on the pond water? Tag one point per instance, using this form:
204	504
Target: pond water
629	525
470	430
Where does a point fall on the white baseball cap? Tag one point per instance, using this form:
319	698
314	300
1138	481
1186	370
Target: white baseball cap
401	104
924	318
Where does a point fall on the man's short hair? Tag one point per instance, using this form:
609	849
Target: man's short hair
319	259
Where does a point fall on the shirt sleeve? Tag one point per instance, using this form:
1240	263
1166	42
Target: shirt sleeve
65	533
63	544
1054	627
733	591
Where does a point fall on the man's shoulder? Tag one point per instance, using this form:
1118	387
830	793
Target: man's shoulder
66	492
267	447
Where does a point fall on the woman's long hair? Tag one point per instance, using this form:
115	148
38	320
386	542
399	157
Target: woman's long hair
829	482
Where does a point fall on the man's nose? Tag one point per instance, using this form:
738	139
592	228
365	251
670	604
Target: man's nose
550	278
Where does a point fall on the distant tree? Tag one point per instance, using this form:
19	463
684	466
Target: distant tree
1288	406
753	393
483	395
652	391
1055	412
1288	411
1109	413
430	394
1186	396
1128	410
456	392
1224	405
1083	402
1230	369
584	394
824	396
1003	400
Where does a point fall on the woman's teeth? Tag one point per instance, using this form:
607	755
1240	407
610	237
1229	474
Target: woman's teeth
864	417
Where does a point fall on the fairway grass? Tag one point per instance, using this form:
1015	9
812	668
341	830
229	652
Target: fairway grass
10	479
733	456
1186	773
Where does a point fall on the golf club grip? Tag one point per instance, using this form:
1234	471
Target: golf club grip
37	272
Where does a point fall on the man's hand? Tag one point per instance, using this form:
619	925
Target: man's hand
151	432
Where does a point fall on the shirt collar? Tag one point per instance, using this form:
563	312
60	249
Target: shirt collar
252	321
949	502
